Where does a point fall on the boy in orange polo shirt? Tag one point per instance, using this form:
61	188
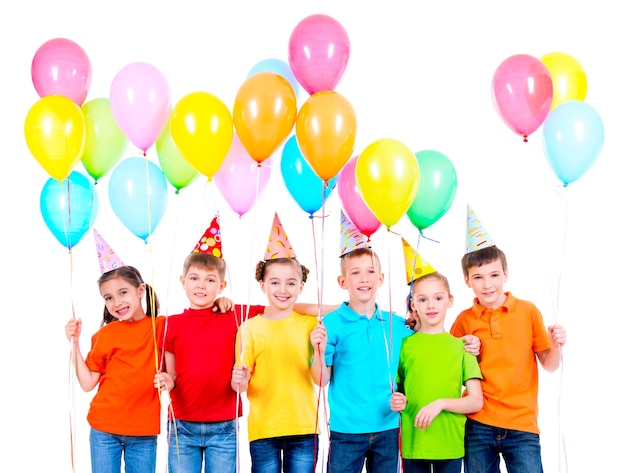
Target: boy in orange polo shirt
513	337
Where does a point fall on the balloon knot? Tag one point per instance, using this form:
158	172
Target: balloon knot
525	138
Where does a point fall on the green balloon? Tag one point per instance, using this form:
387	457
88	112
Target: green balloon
104	141
176	168
436	191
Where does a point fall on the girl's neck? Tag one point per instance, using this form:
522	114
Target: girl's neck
432	329
275	313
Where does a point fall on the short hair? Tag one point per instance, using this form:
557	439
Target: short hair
356	254
438	276
205	261
481	257
261	267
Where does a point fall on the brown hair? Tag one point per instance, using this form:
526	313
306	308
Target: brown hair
131	275
261	267
481	257
426	277
357	253
205	261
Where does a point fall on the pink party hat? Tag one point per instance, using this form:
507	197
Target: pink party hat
278	245
211	241
477	236
415	265
351	237
106	256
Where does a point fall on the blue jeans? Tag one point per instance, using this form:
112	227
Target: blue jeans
139	453
432	466
379	451
192	442
484	444
299	454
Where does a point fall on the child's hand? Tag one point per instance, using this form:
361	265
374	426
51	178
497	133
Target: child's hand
241	375
164	382
222	304
472	344
413	321
398	402
318	338
558	335
425	416
72	329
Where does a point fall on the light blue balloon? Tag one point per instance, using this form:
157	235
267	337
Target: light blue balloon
305	186
573	135
138	195
69	208
279	67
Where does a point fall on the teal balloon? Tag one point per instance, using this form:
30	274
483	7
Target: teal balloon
69	208
573	136
138	195
436	190
305	186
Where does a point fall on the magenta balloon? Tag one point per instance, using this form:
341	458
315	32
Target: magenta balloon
61	67
354	207
237	178
319	49
522	93
140	103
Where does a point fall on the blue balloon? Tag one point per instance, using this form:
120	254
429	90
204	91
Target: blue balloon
304	185
138	195
573	135
278	67
69	208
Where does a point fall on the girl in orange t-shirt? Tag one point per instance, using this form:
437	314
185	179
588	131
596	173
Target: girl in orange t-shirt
124	413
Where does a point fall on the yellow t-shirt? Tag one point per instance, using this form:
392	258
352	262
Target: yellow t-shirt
281	392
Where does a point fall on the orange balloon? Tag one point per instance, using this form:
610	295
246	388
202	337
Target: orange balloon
55	131
264	113
326	130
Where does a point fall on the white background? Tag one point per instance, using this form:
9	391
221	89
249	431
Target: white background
418	72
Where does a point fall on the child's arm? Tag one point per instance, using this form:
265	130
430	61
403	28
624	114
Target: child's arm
314	309
472	344
222	304
86	378
166	380
472	402
398	401
551	359
319	371
240	378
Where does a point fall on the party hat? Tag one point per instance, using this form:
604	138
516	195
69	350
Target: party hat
415	265
278	245
106	256
211	241
477	236
351	237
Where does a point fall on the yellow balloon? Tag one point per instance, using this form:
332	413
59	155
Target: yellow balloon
202	128
569	81
55	131
387	176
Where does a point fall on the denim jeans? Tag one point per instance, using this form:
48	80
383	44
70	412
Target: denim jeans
299	454
139	452
484	444
379	451
192	442
432	466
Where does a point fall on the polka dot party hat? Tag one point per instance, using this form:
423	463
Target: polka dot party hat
211	241
106	256
415	265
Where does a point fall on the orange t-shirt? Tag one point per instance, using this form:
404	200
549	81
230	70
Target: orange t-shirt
510	337
127	402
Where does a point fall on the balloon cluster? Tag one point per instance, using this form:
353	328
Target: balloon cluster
529	92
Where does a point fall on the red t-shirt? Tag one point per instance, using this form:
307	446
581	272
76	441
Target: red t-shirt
203	343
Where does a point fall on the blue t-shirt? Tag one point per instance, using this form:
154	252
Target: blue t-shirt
363	354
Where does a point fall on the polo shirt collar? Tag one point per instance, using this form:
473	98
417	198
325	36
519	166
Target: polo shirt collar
349	314
509	302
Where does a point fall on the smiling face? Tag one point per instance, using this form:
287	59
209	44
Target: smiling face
361	277
122	299
282	282
431	300
202	286
487	282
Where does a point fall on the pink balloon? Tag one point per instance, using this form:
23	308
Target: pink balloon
522	93
354	207
61	67
140	103
319	48
237	177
